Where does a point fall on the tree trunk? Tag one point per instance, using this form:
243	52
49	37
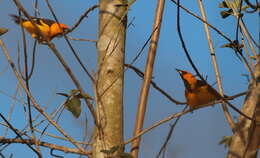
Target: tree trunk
108	135
246	138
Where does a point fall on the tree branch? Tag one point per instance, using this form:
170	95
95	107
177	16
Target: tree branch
44	144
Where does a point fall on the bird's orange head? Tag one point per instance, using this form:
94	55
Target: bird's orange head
188	78
58	29
64	26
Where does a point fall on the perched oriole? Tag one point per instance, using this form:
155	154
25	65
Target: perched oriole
49	28
197	92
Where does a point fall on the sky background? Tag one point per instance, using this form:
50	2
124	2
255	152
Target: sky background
196	135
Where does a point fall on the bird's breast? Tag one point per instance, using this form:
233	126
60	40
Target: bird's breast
200	96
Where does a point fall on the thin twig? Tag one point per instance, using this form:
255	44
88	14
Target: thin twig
156	125
37	107
175	116
82	17
248	54
44	144
251	5
248	67
69	44
13	129
61	138
194	66
184	45
139	53
61	60
199	18
141	74
243	28
163	148
40	131
81	39
11	109
28	87
33	59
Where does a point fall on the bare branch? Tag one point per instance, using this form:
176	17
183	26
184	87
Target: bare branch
14	130
60	58
44	144
85	15
141	74
37	107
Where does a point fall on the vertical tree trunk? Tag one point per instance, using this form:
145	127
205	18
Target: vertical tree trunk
110	78
246	138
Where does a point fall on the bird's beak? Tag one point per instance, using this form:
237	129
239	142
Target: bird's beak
179	71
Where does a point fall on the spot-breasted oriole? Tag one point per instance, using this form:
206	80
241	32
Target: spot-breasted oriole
197	92
49	28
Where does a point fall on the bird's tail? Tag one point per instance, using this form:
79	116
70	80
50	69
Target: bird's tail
16	18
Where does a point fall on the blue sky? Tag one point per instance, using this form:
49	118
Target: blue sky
196	135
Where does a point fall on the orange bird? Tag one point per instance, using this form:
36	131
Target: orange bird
49	28
197	92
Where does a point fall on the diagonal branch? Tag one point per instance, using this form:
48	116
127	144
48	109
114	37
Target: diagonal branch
69	44
61	60
37	107
85	15
18	135
176	115
204	21
141	74
44	144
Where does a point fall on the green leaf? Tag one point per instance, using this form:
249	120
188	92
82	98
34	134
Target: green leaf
73	105
226	141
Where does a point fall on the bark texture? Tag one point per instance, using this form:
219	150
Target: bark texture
246	139
110	78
